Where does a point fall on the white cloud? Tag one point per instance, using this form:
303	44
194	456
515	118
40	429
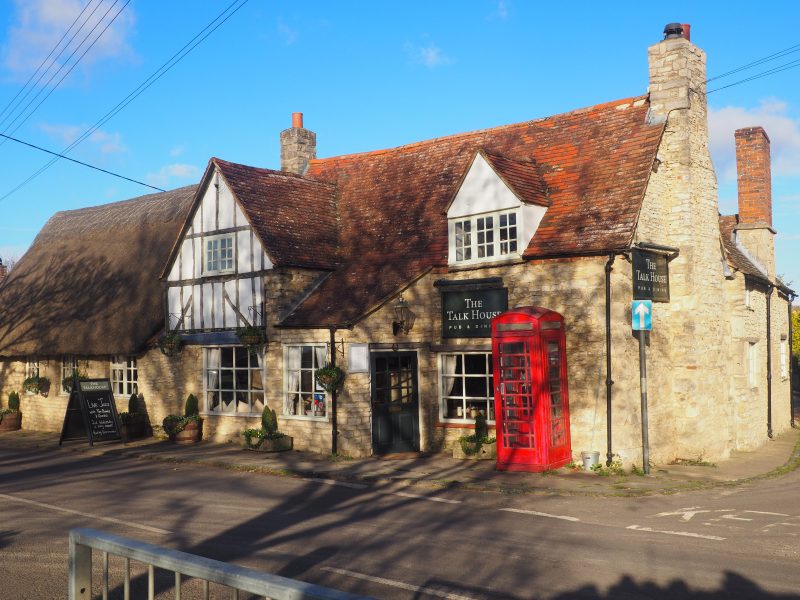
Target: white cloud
175	171
105	142
502	9
38	25
430	56
288	34
772	115
177	151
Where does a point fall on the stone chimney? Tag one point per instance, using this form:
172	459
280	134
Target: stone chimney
754	181
298	146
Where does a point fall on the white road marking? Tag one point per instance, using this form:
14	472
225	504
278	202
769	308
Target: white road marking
683	533
685	513
83	514
398	584
431	498
352	486
761	512
735	518
540	514
787	524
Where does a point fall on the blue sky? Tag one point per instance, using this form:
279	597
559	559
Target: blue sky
367	76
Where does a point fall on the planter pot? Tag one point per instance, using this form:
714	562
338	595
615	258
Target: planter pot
133	430
487	452
191	434
281	444
11	422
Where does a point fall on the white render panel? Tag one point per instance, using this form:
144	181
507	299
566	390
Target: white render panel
244	252
231	320
208	301
482	191
174	306
241	220
197	308
197	269
258	300
187	259
532	215
226	206
208	207
174	272
219	309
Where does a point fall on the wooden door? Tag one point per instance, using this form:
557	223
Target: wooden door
395	402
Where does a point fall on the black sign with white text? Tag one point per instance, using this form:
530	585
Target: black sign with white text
468	314
650	276
91	412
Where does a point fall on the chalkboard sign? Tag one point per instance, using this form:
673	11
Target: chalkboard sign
91	412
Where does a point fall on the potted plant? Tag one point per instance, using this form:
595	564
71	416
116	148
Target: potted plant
478	446
133	421
329	377
170	343
251	336
268	438
186	429
36	384
67	381
11	417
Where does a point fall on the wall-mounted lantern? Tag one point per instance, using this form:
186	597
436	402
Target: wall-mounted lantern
404	318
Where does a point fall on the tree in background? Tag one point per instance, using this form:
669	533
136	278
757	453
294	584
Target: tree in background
796	335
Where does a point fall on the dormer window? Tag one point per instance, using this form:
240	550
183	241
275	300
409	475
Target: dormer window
485	237
219	254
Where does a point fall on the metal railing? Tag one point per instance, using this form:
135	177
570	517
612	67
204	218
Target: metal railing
239	579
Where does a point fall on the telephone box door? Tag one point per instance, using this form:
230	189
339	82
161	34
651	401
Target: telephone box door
531	400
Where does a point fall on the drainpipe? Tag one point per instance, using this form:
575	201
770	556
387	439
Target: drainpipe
609	381
769	362
334	431
790	298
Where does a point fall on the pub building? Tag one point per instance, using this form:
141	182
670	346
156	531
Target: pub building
394	264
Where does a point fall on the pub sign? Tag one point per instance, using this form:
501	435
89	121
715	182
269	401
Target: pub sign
469	313
650	276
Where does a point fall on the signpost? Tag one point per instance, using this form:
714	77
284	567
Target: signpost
641	321
91	412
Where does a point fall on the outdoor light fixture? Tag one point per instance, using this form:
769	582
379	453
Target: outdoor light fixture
404	316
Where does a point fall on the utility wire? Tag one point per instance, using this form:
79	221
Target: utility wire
13	139
785	67
775	56
70	69
10	102
155	76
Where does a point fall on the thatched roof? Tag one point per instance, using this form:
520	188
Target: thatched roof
89	283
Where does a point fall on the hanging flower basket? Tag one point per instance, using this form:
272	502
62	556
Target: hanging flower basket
329	377
36	385
252	337
170	344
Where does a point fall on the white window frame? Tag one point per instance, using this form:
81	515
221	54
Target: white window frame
256	406
748	296
465	400
292	386
752	364
68	364
124	376
230	254
472	241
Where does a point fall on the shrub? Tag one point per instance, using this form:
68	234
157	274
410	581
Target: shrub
13	401
269	421
472	444
191	408
133	404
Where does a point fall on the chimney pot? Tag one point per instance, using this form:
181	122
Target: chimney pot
672	31
687	29
297	120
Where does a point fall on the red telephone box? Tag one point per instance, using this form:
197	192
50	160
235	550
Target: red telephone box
530	383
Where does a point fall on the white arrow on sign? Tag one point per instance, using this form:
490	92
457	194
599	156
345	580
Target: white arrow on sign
642	311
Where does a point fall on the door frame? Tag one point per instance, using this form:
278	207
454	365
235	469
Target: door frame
414	354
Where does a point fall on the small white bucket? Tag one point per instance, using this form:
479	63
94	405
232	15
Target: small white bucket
590	459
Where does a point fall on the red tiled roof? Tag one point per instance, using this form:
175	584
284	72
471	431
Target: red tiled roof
523	177
294	216
595	164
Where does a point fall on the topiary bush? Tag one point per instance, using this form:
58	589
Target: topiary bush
13	401
269	421
481	429
133	404
191	408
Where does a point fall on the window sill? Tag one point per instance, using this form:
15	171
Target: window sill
474	264
322	419
226	414
460	424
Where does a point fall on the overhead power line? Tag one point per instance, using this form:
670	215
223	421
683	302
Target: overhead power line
760	61
199	38
46	58
785	67
13	139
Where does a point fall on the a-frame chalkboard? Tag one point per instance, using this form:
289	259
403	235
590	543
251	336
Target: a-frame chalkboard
91	412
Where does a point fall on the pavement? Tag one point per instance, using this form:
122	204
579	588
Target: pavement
773	458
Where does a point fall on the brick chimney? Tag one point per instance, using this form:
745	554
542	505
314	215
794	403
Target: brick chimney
298	146
753	175
754	181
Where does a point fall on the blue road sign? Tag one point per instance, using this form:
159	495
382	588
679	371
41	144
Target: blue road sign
642	315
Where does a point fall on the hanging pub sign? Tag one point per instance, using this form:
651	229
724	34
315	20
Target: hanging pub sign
650	276
468	306
91	412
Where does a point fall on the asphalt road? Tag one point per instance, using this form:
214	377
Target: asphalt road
392	542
